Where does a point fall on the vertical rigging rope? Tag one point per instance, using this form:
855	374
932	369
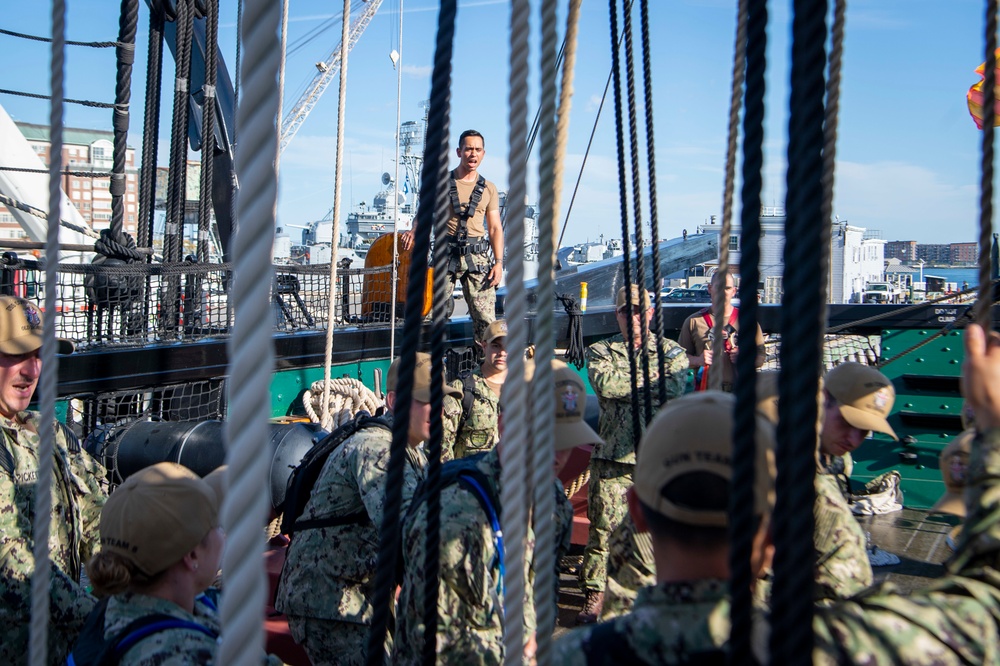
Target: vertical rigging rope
208	131
794	562
515	399
47	385
395	191
551	177
125	52
251	349
754	13
177	181
640	267
654	223
984	299
435	162
830	123
150	123
623	206
719	294
327	417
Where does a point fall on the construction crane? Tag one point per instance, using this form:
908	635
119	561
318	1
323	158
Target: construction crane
326	70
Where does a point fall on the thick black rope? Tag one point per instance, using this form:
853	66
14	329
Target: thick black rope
623	207
78	174
794	563
441	201
752	18
654	221
177	179
389	536
640	265
35	38
575	349
208	128
830	147
81	102
986	169
150	123
127	20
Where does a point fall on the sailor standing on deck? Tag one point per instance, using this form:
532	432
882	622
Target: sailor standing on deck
475	214
77	496
328	580
612	462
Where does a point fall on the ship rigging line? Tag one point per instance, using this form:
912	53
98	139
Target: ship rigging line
81	102
590	143
94	45
983	315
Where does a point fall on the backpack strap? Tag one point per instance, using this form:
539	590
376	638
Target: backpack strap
93	649
468	479
468	397
149	625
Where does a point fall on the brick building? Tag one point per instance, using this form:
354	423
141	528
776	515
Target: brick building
964	253
83	150
934	253
905	251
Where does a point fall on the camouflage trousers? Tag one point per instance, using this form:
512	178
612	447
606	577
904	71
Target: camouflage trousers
630	568
606	508
473	270
333	643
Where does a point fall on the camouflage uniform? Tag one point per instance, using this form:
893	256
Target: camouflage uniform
842	565
671	623
171	646
477	433
470	598
328	579
473	268
955	619
77	498
612	463
631	567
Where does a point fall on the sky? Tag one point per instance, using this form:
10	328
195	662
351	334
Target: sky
908	153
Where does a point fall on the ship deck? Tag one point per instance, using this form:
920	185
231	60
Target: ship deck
915	536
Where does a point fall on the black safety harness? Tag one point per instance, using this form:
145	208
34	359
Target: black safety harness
459	243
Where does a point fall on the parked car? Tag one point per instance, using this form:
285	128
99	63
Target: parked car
684	295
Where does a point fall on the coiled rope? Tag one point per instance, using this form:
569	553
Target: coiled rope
752	16
794	563
347	396
251	348
47	384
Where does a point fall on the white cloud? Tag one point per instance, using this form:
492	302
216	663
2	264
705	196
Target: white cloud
418	71
905	202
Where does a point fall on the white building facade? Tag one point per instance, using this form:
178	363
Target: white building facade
854	260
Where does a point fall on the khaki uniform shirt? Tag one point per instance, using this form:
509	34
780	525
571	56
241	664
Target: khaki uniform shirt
696	337
490	202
